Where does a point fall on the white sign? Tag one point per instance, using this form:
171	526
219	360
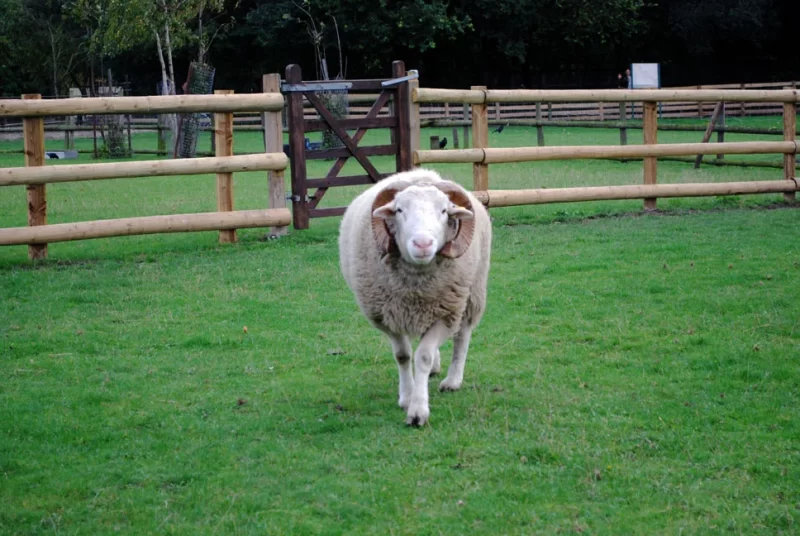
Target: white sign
645	75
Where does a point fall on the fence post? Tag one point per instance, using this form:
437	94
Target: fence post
743	108
539	127
721	133
480	140
69	133
33	129
273	143
700	105
223	133
412	109
623	131
130	135
789	134
650	130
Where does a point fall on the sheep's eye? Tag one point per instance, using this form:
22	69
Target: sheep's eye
399	210
444	211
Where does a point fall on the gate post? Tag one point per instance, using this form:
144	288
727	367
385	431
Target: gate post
297	149
402	109
273	143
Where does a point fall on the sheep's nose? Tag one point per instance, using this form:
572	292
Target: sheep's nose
423	243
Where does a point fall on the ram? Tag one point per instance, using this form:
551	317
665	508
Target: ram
415	251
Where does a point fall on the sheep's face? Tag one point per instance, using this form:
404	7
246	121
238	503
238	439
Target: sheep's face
421	220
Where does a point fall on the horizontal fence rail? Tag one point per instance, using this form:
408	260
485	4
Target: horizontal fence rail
175	223
254	102
473	96
151	168
510	198
529	154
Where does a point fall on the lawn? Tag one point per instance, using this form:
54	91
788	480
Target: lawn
634	373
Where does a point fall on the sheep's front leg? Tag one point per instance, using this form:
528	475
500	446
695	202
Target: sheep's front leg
455	373
418	410
401	347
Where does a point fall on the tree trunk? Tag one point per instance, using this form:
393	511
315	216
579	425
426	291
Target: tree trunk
168	46
164	122
54	59
201	44
173	118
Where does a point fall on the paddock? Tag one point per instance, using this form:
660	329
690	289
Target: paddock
631	373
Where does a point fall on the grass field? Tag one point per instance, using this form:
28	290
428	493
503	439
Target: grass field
634	374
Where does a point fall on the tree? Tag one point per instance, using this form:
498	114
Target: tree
368	31
533	36
120	25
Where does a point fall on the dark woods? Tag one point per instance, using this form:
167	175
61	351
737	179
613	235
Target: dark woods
48	46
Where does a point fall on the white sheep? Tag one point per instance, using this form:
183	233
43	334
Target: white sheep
415	249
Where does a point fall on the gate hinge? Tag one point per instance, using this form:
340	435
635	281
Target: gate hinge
296	198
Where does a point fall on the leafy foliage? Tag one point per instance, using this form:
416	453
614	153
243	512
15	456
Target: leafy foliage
454	43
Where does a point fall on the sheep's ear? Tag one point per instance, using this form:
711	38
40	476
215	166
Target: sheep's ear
383	208
464	212
460	213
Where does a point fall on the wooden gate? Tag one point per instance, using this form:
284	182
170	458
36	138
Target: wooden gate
392	93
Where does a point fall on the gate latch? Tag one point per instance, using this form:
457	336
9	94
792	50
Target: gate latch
413	74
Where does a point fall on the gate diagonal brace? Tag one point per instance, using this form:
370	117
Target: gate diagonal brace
344	136
373	112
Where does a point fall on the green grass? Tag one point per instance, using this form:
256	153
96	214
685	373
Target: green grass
634	374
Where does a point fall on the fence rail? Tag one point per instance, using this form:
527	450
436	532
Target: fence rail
487	96
256	102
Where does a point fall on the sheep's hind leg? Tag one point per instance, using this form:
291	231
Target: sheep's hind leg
401	347
436	367
455	373
418	410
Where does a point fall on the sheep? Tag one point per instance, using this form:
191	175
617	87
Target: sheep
414	249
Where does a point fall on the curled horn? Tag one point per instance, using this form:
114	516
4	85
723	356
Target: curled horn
380	230
466	228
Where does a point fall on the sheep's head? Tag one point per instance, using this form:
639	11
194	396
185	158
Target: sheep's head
421	221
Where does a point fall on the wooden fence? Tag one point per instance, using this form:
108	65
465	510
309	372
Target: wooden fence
554	110
482	100
547	113
35	175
